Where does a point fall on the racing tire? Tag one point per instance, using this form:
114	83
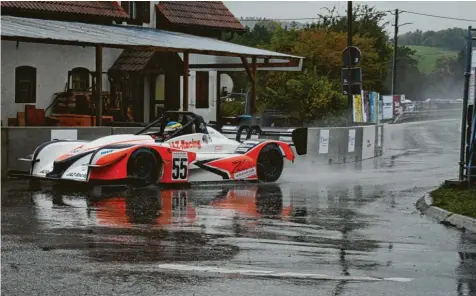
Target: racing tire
270	163
143	165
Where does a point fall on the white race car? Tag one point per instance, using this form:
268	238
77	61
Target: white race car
192	152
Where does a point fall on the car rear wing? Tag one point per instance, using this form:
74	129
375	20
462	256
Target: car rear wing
296	137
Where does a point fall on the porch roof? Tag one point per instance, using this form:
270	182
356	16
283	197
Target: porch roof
120	36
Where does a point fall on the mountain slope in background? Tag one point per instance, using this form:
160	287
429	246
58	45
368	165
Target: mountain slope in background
427	56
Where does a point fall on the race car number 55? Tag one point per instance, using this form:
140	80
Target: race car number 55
179	165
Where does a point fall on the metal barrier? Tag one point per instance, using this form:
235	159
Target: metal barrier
427	115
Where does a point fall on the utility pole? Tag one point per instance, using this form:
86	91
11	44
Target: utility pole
349	43
394	68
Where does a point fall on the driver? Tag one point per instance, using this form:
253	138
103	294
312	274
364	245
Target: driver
171	127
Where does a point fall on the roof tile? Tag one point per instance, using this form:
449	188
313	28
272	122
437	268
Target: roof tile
212	14
132	60
91	8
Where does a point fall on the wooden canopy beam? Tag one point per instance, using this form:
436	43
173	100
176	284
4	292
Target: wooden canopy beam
98	96
253	87
248	69
185	81
291	63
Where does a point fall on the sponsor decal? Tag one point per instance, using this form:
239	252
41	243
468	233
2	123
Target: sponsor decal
103	152
246	146
246	173
218	148
242	150
47	170
182	144
285	138
76	175
75	151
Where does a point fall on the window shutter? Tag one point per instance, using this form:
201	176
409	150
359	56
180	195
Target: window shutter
201	89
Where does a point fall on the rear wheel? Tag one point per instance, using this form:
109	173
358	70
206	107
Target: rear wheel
143	165
270	163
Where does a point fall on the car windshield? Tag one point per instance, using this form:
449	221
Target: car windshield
172	124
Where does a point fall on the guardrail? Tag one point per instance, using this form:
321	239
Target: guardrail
410	116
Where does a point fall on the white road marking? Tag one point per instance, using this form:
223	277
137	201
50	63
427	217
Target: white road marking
269	273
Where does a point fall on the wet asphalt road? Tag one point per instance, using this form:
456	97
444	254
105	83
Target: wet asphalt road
323	230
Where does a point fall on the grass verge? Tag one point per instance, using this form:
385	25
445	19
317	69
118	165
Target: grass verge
457	200
427	56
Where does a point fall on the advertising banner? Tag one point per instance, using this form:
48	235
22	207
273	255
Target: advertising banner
387	109
365	107
396	106
357	108
324	142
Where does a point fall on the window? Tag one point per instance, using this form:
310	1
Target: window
137	10
25	84
80	79
201	90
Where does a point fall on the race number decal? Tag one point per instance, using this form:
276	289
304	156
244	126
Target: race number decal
179	166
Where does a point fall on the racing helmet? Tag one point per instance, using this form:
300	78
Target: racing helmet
172	127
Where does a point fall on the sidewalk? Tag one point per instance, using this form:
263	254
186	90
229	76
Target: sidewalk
424	204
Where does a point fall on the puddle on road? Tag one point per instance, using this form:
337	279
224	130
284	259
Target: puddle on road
184	225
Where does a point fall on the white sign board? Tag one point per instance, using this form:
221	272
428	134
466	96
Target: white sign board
472	78
351	145
324	141
65	134
387	108
368	142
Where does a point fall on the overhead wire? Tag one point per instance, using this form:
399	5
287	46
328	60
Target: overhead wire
437	16
385	11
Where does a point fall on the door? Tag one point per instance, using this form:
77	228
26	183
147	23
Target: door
157	95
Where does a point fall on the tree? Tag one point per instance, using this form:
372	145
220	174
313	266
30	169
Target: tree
323	51
306	95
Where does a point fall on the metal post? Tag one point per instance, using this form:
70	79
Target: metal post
349	43
253	87
218	101
185	81
395	48
98	98
467	73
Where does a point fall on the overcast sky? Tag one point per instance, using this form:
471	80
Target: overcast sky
303	9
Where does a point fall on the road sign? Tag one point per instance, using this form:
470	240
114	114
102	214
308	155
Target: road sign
356	75
354	56
355	89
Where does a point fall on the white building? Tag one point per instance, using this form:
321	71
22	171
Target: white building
146	80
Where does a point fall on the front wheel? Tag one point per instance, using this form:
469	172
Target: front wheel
143	165
270	163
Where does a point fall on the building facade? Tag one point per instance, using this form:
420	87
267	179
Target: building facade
139	83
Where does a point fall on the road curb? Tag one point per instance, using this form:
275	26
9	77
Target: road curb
424	205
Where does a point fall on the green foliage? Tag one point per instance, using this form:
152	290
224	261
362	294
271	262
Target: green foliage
306	95
314	95
452	39
233	108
